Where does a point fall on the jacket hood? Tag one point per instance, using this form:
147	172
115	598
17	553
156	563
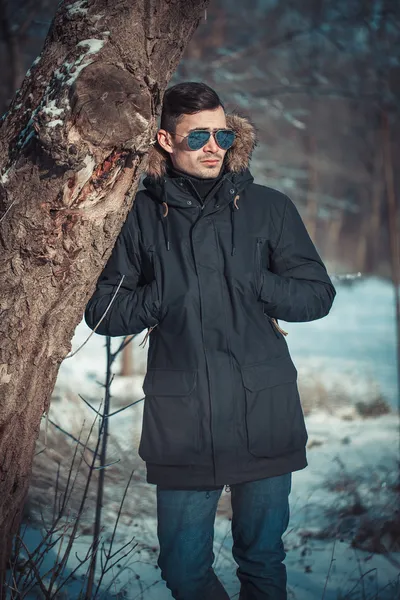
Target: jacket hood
236	160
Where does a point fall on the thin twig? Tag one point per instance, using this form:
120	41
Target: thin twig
126	341
109	554
70	488
70	436
8	209
329	570
125	407
35	570
103	440
111	414
101	319
90	406
361	573
60	568
101	467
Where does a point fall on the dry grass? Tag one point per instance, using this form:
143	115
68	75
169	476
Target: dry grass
51	468
366	509
316	395
51	472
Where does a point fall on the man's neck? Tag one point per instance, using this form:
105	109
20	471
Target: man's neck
202	185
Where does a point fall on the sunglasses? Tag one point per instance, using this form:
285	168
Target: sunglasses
199	138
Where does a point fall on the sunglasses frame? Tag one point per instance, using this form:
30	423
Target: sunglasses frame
210	133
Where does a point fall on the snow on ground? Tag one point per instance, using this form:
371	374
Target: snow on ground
354	347
356	343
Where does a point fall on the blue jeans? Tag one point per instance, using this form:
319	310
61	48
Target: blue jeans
186	532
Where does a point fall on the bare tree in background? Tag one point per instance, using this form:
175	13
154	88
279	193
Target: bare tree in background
314	77
72	147
23	26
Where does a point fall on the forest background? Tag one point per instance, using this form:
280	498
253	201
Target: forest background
320	79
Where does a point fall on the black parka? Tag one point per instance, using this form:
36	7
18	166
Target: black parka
221	398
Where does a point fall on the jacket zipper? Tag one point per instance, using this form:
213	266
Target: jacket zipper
205	358
258	267
224	295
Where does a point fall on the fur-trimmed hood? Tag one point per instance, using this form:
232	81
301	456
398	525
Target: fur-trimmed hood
236	160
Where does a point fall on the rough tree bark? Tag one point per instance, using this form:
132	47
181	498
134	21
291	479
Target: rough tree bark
72	147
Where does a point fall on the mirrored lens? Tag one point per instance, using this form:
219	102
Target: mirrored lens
225	138
197	139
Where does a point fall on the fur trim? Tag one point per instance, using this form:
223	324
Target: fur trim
237	157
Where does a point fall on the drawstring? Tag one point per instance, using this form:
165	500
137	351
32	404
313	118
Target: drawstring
165	221
146	337
234	207
275	322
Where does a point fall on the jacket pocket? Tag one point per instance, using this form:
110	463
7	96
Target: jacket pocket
274	417
170	433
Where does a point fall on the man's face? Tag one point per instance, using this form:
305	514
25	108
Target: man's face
207	161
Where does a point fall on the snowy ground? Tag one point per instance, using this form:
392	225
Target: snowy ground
353	349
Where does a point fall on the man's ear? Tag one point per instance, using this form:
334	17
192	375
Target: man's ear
164	139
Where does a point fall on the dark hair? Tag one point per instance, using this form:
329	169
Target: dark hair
186	98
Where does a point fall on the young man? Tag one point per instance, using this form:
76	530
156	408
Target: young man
209	261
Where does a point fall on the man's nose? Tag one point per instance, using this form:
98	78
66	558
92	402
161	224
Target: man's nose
211	145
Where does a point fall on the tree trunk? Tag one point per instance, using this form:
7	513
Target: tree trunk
393	227
312	201
72	147
127	369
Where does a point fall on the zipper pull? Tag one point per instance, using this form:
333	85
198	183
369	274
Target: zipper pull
146	337
227	489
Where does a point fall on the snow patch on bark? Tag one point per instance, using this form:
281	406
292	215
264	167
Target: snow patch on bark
28	131
5	376
54	123
74	69
141	119
78	8
5	176
94	45
51	109
67	73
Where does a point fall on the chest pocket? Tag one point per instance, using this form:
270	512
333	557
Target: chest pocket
251	255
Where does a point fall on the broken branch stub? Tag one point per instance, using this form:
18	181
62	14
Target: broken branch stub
111	108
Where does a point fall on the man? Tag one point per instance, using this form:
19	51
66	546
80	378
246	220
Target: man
209	261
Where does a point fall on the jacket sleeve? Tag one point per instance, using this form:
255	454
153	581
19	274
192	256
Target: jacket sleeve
297	286
135	307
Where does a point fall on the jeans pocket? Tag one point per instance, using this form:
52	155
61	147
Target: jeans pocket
170	433
274	418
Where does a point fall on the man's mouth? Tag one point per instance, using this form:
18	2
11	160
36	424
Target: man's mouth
211	161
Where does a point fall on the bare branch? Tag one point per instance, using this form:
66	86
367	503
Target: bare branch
101	319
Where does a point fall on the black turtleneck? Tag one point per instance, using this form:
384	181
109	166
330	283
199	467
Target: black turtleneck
202	186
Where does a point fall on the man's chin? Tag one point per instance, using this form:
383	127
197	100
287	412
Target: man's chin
209	171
